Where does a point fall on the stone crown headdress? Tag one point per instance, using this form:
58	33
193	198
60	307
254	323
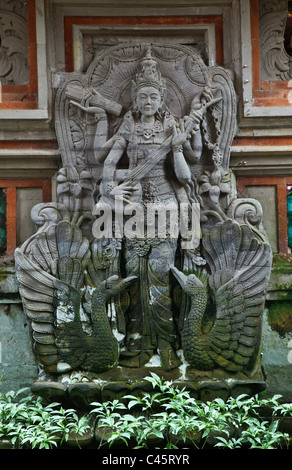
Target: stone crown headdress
149	75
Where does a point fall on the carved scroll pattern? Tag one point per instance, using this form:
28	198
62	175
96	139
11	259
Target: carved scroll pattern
14	68
276	63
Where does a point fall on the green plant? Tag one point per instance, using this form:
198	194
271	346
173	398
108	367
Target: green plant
29	422
171	418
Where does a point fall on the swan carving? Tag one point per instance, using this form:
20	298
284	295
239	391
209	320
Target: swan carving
51	283
240	266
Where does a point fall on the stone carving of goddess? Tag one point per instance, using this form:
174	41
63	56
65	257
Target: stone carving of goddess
148	129
136	298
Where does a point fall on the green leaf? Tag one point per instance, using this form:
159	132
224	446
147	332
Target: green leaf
133	403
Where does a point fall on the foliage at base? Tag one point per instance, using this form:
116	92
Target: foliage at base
167	418
29	422
170	418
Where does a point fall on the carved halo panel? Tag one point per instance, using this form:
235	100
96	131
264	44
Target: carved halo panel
112	73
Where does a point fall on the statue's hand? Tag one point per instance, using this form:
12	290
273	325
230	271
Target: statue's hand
192	122
100	112
180	135
128	191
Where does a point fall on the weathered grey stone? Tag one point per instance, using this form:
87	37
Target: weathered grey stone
18	366
146	124
52	391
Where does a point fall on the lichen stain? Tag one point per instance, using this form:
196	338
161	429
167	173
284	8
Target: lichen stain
280	317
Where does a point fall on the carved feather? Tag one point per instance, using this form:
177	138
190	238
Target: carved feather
53	303
53	271
38	292
240	269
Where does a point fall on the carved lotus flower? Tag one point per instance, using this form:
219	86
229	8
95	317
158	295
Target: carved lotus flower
215	183
70	182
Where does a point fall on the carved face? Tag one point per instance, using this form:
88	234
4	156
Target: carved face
148	101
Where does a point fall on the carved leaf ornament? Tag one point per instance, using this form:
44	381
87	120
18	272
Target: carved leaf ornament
276	63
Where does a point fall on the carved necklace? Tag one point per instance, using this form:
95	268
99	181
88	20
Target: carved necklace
146	132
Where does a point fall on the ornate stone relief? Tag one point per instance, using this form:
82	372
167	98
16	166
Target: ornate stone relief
13	43
275	62
146	126
199	37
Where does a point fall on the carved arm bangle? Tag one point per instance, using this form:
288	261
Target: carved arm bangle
177	149
100	117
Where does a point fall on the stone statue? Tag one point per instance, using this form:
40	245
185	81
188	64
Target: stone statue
146	130
148	259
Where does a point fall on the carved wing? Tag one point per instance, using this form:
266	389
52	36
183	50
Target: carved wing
240	269
51	274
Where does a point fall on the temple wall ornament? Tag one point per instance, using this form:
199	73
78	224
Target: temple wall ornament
147	126
276	64
14	68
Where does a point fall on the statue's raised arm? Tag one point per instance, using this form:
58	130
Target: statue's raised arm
96	106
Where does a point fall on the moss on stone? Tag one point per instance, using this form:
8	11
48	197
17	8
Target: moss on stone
280	317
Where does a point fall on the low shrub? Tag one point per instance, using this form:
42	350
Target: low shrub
171	418
167	418
28	422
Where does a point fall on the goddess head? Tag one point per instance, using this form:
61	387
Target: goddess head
149	88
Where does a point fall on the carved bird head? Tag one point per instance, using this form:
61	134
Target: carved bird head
111	286
189	283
